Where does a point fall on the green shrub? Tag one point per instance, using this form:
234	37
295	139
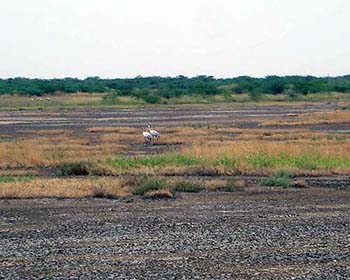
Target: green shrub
147	185
279	179
152	99
188	186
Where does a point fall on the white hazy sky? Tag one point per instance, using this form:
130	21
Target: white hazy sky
126	38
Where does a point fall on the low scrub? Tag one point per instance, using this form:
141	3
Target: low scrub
279	179
188	186
147	185
74	169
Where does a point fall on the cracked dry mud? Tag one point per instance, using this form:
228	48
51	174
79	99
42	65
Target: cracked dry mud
278	234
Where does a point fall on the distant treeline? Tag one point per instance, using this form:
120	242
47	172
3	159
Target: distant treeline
151	89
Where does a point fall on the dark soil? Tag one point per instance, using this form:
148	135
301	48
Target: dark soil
279	234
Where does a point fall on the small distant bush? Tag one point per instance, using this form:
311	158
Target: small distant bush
147	185
74	169
188	186
279	179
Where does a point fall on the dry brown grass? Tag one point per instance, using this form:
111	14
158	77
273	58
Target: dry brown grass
64	188
54	149
214	150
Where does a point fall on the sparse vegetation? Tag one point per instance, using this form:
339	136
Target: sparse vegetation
188	186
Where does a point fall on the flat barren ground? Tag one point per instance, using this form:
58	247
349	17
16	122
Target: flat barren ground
275	234
226	115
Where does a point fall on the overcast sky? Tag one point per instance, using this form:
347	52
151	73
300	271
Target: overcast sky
126	38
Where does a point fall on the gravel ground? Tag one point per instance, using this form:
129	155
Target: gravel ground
279	234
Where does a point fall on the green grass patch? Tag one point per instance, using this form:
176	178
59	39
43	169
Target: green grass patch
259	161
161	160
12	179
304	162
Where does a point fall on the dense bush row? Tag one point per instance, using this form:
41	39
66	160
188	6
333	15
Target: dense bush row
152	88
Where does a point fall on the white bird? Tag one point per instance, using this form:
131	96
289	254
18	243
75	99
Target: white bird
155	134
146	135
